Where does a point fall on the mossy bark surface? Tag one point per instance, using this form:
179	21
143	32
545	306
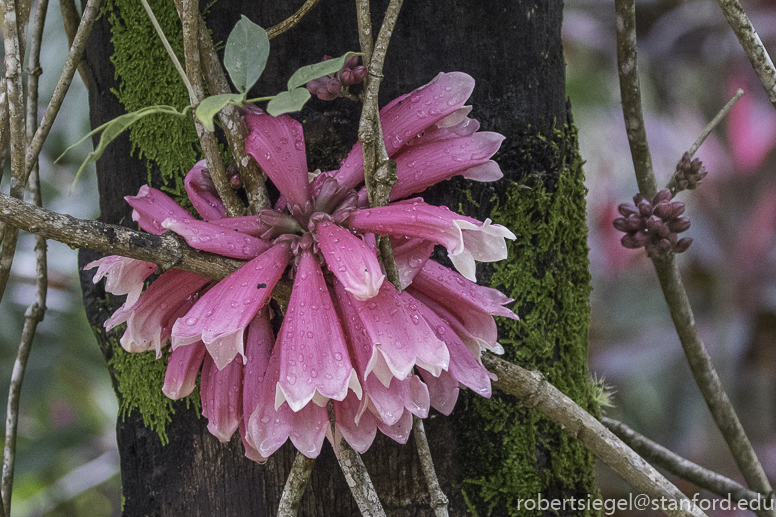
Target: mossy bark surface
489	453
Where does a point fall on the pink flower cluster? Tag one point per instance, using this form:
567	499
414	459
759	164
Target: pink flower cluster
348	337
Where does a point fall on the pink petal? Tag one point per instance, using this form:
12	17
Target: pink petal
222	398
405	117
258	349
419	399
215	239
443	391
464	367
352	262
180	379
466	126
269	428
400	335
400	431
359	435
122	275
146	319
385	402
151	207
277	145
202	192
309	429
249	224
481	332
220	316
410	254
422	166
314	359
461	235
453	291
250	451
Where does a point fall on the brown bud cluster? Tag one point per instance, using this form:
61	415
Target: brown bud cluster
689	173
328	87
654	225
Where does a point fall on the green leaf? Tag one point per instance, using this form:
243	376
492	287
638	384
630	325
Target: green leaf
286	102
307	73
210	106
245	55
112	129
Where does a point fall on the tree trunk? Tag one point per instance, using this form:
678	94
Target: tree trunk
489	453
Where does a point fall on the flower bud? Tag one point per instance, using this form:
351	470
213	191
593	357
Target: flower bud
663	209
653	223
637	199
663	195
334	86
346	77
645	209
679	225
621	224
636	223
359	73
677	209
625	209
682	245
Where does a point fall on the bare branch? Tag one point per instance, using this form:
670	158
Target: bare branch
684	468
379	169
37	309
296	483
630	91
231	122
358	480
668	272
16	112
705	134
753	46
535	392
91	11
288	23
190	19
438	499
70	19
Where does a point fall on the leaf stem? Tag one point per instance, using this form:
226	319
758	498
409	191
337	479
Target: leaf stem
438	499
193	99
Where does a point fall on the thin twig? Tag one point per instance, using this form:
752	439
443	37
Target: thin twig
379	169
630	91
90	13
668	272
16	112
708	380
193	97
715	122
231	121
705	134
190	20
535	392
365	38
355	474
70	19
37	309
679	466
438	498
288	23
296	483
753	46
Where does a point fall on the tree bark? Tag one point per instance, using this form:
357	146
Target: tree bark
514	51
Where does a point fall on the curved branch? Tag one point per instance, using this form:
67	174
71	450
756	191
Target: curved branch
685	469
288	23
296	483
535	392
698	358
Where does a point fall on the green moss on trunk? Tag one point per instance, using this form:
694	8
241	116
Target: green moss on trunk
513	453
